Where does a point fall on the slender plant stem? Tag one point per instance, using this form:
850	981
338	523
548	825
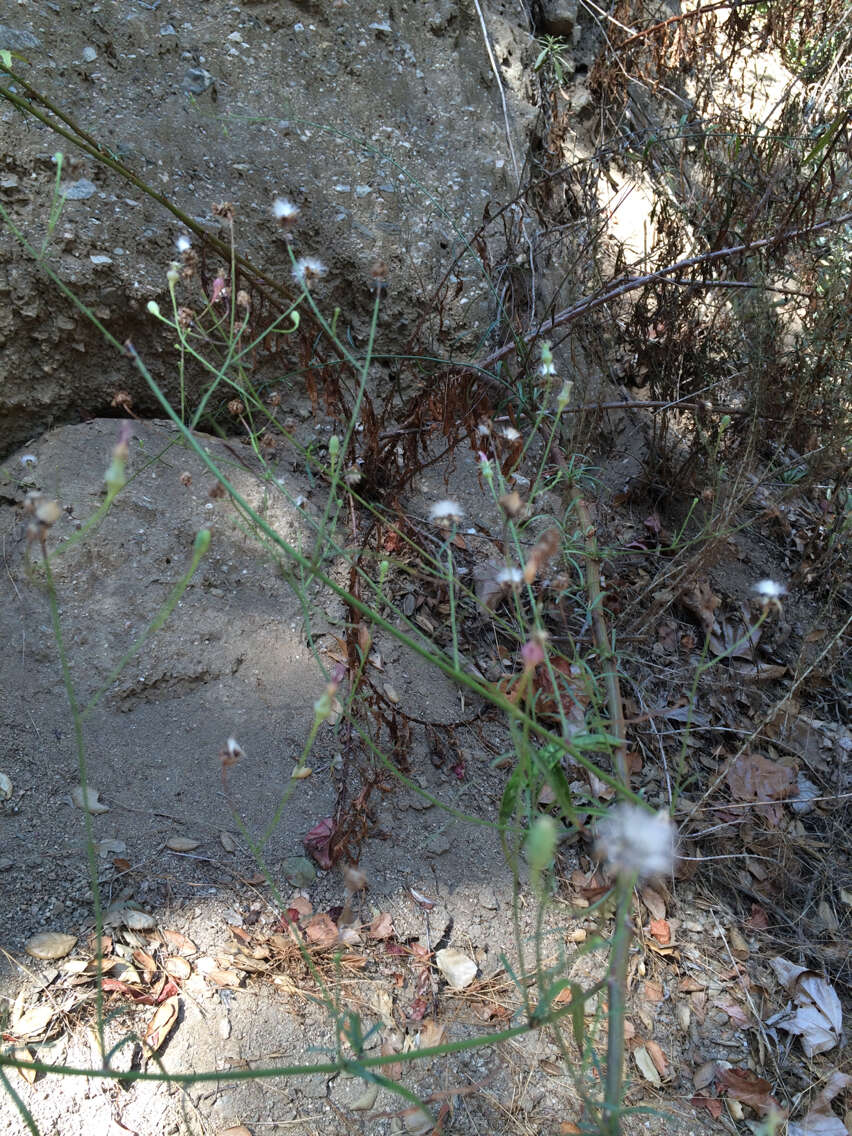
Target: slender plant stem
617	994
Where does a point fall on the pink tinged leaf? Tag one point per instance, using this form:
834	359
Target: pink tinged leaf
318	841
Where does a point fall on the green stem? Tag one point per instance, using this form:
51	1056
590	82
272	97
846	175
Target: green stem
617	994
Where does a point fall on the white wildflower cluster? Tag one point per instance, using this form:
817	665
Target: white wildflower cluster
636	842
183	243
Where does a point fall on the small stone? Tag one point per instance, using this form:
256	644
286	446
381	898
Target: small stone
197	80
89	54
79	190
12	39
456	967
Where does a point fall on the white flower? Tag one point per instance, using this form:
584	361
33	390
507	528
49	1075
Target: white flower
546	370
511	434
769	589
307	270
446	512
637	842
28	459
183	243
284	210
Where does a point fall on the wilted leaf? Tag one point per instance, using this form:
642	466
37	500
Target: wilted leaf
745	1086
755	778
820	1120
712	1104
382	927
301	905
656	1054
661	931
50	945
162	1023
87	799
177	967
818	1018
704	1075
32	1022
322	930
431	1033
223	977
21	1054
646	1066
654	902
318	842
124	986
182	843
180	942
130	917
698	598
227	841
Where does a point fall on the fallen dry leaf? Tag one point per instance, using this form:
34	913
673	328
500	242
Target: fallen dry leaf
182	843
654	902
382	927
87	800
177	967
818	1018
658	1057
745	1086
33	1022
755	778
322	930
431	1033
712	1104
820	1120
162	1023
698	598
180	942
646	1066
50	945
661	931
21	1054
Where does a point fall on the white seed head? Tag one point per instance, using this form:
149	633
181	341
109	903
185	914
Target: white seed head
510	578
307	270
769	589
183	243
284	210
446	512
235	750
637	842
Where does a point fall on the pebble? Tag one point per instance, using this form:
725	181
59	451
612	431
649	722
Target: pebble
80	190
12	39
